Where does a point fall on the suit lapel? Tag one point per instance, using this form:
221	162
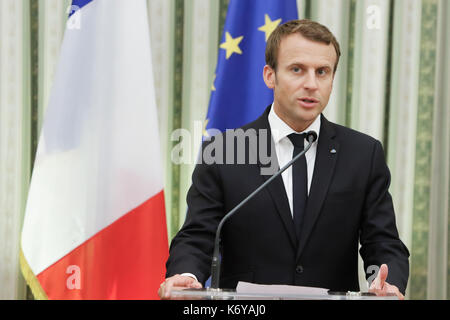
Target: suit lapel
276	188
323	172
277	192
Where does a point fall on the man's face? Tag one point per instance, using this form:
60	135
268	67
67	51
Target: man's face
303	80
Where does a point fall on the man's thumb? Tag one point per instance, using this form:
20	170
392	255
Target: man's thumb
383	273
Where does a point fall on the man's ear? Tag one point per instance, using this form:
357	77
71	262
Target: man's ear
269	76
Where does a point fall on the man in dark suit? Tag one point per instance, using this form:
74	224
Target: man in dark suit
304	228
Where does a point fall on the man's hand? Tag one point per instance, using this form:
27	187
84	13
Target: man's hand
177	282
380	287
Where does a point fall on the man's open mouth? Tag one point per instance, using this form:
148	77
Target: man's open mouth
309	100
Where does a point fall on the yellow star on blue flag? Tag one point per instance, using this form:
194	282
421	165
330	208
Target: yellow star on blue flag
231	45
269	26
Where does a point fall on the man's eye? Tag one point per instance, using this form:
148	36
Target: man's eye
322	72
296	69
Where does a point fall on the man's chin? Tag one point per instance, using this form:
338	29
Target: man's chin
308	115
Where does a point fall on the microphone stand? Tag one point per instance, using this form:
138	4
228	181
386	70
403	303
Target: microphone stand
311	136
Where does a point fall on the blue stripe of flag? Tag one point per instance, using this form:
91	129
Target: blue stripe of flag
80	4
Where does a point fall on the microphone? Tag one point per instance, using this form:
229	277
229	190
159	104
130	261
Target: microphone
311	136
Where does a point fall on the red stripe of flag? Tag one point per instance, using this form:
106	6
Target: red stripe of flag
126	260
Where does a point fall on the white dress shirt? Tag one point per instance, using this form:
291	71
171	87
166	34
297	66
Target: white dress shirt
284	150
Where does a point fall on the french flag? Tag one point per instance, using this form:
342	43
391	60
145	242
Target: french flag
95	225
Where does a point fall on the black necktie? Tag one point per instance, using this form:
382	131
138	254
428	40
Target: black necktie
300	182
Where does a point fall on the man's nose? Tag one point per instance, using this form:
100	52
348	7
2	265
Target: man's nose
311	81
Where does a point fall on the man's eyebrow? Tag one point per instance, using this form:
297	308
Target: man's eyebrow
300	64
325	67
296	64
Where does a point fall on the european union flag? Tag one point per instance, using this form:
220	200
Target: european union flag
239	94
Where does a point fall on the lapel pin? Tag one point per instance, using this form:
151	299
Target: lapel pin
333	151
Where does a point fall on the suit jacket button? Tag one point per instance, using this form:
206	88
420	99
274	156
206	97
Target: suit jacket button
299	269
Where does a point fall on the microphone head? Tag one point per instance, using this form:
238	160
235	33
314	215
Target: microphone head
311	136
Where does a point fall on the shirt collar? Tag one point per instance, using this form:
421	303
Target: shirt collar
280	129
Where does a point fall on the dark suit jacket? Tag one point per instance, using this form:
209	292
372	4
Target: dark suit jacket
348	202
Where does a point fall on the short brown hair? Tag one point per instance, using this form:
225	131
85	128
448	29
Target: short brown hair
311	30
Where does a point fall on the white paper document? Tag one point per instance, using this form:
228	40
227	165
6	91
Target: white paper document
252	288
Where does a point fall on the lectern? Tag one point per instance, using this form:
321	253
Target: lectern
224	294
